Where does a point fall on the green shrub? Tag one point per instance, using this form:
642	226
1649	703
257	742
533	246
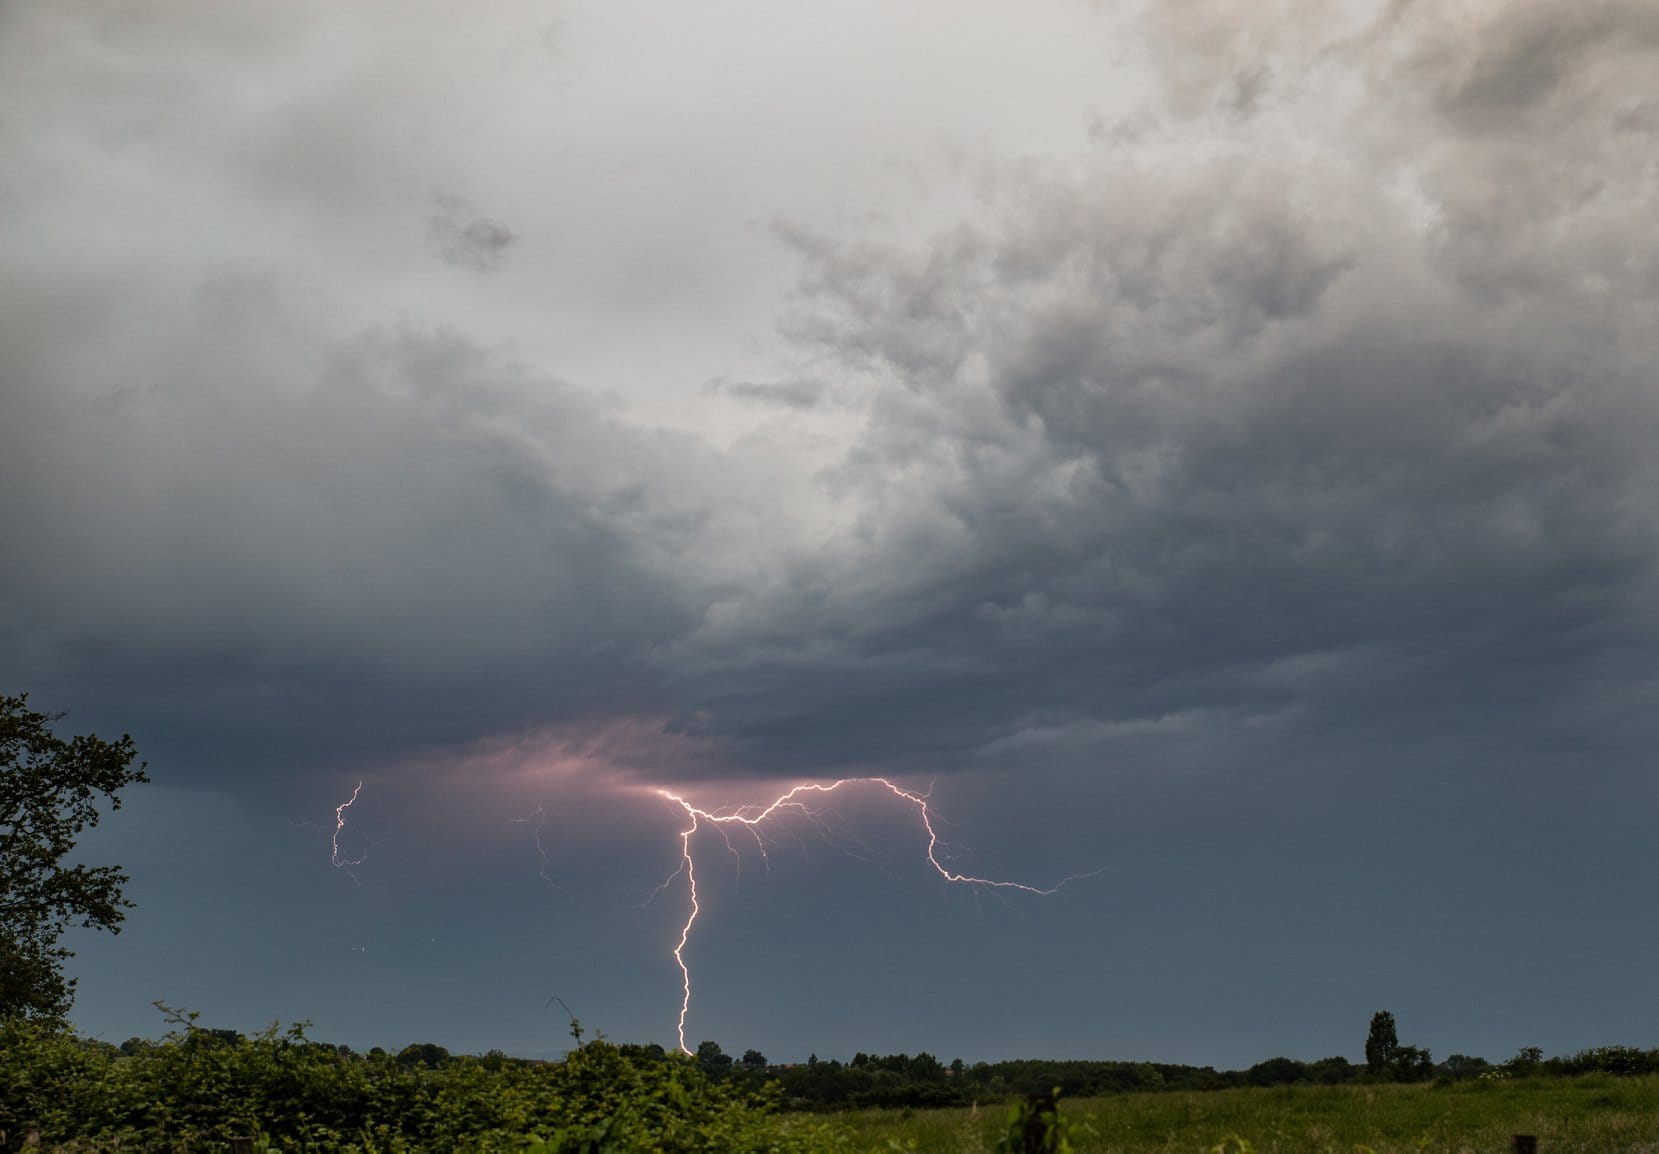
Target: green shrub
198	1088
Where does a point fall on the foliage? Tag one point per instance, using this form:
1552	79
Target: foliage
712	1058
197	1088
1461	1067
426	1054
919	1081
1381	1042
899	1080
49	790
1411	1064
1036	1127
1387	1060
1620	1060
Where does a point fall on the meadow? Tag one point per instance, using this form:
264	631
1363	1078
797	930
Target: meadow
1590	1114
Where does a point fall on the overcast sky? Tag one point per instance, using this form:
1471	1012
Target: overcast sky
1211	443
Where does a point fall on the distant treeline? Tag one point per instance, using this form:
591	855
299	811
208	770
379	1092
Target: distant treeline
921	1080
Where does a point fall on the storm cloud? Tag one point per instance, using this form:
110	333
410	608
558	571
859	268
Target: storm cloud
1352	376
1331	401
1306	423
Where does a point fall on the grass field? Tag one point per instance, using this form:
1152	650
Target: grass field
1594	1114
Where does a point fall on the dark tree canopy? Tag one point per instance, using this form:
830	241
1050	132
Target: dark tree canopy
50	790
711	1057
1381	1042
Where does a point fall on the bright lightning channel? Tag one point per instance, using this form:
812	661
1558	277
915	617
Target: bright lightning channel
750	817
340	861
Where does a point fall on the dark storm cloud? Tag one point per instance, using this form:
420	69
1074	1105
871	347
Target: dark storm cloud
1319	396
388	533
1347	430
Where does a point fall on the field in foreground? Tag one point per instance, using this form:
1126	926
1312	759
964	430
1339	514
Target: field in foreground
1594	1114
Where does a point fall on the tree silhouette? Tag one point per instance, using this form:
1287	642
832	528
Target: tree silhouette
1382	1042
712	1058
49	791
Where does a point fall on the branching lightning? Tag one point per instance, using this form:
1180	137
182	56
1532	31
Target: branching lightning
752	817
340	861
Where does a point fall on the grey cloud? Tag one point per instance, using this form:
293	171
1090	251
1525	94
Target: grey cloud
461	237
1491	69
782	394
1156	432
1321	359
268	514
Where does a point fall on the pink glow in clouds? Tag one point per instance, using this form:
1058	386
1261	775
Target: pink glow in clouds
618	759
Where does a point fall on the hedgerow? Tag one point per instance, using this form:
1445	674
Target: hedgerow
198	1088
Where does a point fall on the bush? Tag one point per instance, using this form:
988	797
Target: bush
198	1088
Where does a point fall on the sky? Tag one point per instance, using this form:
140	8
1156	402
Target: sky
1205	447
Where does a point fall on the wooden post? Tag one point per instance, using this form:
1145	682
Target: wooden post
1523	1144
241	1146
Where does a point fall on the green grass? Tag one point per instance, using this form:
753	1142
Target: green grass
1594	1114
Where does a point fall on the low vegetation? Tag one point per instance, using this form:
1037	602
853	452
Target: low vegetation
197	1088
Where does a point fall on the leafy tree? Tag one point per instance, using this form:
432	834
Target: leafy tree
1411	1064
1461	1067
1331	1071
49	790
30	980
712	1058
754	1059
1381	1043
1276	1072
429	1055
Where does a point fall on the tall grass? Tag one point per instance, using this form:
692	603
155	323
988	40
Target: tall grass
1594	1114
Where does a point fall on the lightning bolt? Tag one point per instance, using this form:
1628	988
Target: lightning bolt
341	862
539	816
792	800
